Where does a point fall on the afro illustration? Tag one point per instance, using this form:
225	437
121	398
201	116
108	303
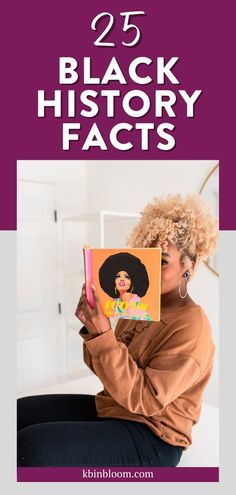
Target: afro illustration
131	265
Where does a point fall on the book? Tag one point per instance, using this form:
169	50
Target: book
127	281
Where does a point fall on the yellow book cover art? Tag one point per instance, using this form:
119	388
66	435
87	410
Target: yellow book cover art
127	281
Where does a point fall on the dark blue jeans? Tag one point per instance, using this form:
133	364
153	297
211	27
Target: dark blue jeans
64	430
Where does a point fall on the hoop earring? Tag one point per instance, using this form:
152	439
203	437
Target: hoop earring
115	290
183	295
132	289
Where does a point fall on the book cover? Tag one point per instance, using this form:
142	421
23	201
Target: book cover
127	281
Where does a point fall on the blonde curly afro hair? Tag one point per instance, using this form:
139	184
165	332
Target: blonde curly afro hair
186	223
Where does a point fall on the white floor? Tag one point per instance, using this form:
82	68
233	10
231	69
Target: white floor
204	451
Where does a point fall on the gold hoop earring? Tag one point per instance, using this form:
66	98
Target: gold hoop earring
132	289
115	290
186	292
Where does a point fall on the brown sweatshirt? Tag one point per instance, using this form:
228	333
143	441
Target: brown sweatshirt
154	372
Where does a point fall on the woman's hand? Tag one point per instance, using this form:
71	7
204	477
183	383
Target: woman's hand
92	318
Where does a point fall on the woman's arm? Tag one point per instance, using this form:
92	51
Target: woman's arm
86	354
94	321
142	391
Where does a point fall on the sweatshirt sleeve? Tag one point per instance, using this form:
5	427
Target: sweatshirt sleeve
86	354
141	391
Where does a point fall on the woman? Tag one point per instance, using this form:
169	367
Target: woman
154	374
124	278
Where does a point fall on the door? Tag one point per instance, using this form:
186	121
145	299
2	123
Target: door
37	261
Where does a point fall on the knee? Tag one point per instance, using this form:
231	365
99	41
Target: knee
31	446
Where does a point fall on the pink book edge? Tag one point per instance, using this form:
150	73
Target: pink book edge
88	275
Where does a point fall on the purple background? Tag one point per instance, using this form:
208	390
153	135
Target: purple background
36	34
74	474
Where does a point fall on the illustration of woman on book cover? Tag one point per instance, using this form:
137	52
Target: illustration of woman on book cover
125	279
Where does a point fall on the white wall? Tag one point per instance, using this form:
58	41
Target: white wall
128	185
68	177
